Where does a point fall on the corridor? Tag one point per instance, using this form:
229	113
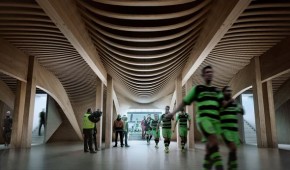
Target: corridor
139	156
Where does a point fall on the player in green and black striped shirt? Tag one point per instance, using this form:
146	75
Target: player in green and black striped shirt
229	124
208	101
155	129
166	128
182	118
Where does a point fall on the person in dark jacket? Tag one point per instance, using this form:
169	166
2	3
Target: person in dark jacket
118	129
41	121
7	128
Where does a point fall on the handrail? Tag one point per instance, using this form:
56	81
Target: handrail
250	125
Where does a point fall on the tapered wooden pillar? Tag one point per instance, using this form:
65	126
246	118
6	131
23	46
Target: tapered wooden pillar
178	89
259	105
270	114
241	121
109	112
29	104
18	114
190	111
99	105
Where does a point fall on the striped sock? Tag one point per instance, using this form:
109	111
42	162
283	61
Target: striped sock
217	161
232	162
207	163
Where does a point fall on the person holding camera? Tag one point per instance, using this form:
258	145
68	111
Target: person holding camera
88	127
95	118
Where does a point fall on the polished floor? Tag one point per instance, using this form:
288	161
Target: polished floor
139	156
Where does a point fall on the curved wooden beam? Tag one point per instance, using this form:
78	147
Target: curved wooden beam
57	92
70	24
6	95
13	61
223	14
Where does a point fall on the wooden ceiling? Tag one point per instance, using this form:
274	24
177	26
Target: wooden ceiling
261	26
26	26
143	45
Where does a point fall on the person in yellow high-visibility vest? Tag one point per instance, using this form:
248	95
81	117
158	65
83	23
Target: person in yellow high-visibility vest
88	127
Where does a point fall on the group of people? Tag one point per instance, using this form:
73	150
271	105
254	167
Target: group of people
121	129
216	114
152	128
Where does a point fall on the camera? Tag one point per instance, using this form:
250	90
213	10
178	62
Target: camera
95	116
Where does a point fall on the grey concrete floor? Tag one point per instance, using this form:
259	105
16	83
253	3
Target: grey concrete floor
140	156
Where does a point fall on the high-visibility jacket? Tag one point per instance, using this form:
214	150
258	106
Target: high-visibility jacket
87	124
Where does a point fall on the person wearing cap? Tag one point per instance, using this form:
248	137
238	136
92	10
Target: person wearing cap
7	128
126	130
88	127
118	127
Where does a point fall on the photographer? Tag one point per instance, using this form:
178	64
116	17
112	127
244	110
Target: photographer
95	117
88	127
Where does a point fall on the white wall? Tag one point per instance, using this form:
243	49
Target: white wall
248	105
40	103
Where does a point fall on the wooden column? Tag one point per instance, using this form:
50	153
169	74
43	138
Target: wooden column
270	114
241	122
190	111
114	117
259	105
18	114
99	105
29	104
178	89
109	112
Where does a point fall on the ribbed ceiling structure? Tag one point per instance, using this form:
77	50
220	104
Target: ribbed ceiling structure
24	24
261	26
144	44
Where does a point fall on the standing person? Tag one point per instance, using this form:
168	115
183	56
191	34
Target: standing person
118	129
166	128
41	121
155	130
88	127
95	117
125	130
7	128
229	124
208	101
95	131
148	129
182	118
143	127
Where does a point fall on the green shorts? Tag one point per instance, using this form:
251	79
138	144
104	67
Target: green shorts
182	131
166	133
209	127
231	136
148	132
156	134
